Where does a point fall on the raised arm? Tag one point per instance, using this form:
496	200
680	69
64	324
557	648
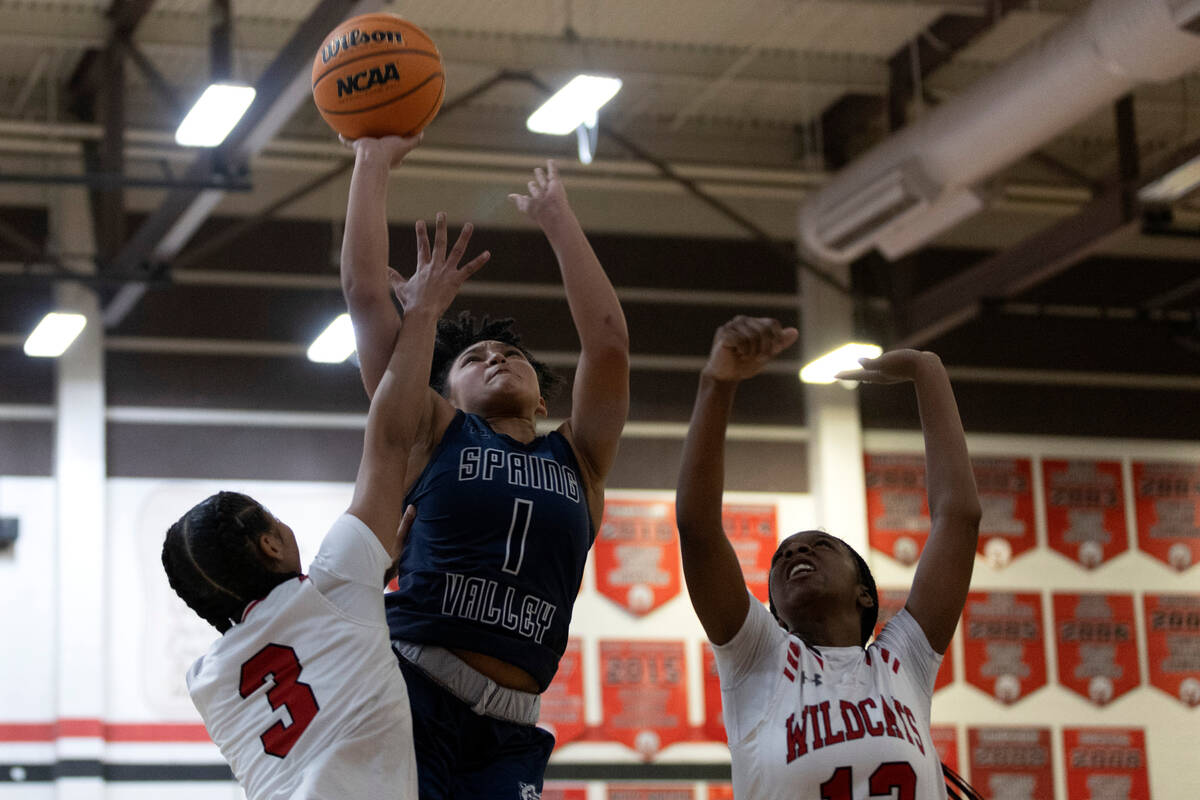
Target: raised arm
943	575
600	396
400	407
741	348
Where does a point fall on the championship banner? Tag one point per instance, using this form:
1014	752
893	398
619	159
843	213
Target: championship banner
754	534
644	692
897	511
1096	635
890	603
1166	501
1106	763
562	703
1011	763
1006	493
553	790
945	742
637	554
720	791
1085	510
1173	644
1003	652
714	723
651	791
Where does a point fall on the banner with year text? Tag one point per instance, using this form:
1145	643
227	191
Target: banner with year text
1006	493
754	533
1011	762
1085	510
562	703
1106	762
637	554
643	688
1096	637
1166	501
1003	650
1173	644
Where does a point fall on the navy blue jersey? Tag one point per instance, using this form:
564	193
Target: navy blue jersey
495	558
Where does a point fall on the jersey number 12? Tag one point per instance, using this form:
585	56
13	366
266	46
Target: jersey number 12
891	775
280	662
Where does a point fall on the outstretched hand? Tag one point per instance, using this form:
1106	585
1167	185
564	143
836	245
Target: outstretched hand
546	197
744	345
393	148
894	366
438	276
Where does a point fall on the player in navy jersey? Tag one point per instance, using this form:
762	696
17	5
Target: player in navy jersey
505	516
810	709
301	692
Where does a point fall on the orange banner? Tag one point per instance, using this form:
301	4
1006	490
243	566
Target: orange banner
1011	762
1003	651
1106	762
1085	510
1166	501
1173	644
1096	637
637	554
562	703
754	534
644	692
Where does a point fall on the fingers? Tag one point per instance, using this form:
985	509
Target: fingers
474	265
423	256
439	236
460	246
757	337
535	189
521	202
551	169
539	175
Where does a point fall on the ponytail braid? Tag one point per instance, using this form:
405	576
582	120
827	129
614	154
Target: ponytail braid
211	558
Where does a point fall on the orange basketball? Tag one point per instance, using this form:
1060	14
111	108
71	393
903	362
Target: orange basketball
378	75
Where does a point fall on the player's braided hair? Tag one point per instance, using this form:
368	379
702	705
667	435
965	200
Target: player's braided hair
454	336
956	787
868	616
212	561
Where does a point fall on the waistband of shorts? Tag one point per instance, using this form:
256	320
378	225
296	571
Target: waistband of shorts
481	693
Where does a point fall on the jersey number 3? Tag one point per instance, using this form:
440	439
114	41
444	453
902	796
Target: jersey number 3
281	663
889	776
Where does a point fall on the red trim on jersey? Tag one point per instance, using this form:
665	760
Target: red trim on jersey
896	666
868	658
793	662
791	676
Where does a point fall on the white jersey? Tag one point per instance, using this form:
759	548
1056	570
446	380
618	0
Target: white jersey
829	723
304	696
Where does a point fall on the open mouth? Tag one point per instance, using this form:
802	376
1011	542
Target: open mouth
800	568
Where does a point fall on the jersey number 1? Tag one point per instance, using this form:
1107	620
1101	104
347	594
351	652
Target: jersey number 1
514	549
280	662
891	775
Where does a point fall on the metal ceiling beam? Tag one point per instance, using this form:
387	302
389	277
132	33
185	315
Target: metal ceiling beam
280	90
1113	214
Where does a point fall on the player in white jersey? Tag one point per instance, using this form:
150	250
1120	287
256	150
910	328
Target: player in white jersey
302	693
810	710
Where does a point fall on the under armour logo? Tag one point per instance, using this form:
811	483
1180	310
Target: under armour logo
528	791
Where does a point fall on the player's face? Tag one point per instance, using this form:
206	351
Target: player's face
492	377
810	568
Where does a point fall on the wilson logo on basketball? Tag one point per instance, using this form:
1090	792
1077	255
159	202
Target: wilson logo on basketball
354	38
362	81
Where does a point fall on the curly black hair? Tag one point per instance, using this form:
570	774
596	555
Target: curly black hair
455	336
212	561
868	616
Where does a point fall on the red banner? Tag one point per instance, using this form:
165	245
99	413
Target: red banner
637	554
563	791
1006	493
754	534
1166	499
1003	652
644	691
1085	510
890	603
1096	636
945	741
1173	644
562	703
651	791
1106	762
897	511
720	791
1011	763
714	723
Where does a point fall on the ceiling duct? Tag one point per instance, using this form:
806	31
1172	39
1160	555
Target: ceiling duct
919	182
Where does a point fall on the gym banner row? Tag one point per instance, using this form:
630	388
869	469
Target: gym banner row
1002	762
644	688
1085	503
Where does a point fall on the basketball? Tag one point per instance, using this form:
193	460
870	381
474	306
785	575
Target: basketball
378	75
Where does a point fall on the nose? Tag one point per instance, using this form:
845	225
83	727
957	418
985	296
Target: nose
496	357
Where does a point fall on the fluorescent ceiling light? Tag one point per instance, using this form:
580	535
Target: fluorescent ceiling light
214	115
335	344
825	368
54	334
573	105
1174	185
